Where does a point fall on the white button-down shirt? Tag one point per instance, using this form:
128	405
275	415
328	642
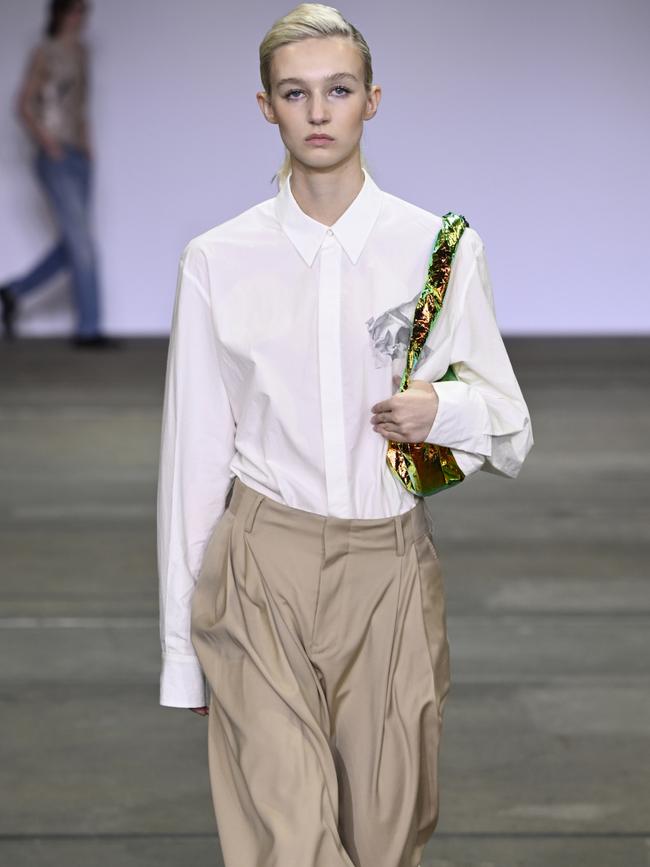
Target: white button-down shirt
285	333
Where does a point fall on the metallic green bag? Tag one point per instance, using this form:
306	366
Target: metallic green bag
424	468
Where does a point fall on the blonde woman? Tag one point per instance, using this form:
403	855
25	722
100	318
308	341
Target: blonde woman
302	601
52	108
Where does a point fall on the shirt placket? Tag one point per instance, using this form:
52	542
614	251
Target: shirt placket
331	377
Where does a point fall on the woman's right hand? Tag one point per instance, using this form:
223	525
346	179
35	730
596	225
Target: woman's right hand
202	711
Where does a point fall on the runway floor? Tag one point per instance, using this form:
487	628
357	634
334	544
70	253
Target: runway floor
545	758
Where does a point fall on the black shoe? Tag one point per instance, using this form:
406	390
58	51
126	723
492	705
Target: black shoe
94	341
8	302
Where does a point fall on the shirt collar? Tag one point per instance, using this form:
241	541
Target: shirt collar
351	229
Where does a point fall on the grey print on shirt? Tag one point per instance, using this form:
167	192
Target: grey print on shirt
390	333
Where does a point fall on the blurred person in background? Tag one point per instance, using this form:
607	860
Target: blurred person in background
52	107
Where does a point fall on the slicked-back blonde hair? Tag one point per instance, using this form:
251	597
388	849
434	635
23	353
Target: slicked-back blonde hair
309	21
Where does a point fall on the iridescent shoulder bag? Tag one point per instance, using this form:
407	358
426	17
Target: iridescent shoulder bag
424	468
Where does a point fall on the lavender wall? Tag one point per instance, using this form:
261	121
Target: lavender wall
529	118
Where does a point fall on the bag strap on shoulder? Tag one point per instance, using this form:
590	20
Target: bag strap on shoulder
429	303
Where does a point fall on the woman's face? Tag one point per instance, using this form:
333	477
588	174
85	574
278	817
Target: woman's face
75	18
317	87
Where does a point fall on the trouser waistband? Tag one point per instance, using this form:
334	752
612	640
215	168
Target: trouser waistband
398	530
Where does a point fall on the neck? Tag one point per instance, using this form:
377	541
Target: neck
68	36
326	194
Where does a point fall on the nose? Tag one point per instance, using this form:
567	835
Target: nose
318	111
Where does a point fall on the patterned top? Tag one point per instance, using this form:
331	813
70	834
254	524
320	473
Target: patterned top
60	102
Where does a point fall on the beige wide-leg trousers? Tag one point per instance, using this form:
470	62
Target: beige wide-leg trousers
324	644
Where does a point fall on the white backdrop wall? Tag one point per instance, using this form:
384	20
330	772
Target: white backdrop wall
531	119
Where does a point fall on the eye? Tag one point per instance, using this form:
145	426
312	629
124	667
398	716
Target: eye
288	94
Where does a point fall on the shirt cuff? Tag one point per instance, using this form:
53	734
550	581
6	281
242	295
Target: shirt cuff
182	683
468	462
462	419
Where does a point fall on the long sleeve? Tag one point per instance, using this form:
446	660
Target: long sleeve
482	416
196	448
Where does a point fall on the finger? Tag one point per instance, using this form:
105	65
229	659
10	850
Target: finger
383	406
388	430
392	435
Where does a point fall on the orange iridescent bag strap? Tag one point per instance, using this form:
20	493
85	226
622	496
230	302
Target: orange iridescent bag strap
424	468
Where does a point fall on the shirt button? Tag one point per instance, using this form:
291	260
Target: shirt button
329	232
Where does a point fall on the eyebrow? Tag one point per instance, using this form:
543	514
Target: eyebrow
331	77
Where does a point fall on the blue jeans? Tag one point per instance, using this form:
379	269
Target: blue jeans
67	184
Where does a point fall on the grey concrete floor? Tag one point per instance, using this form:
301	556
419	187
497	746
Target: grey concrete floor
546	745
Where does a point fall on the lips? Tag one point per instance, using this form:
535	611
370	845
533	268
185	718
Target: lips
320	138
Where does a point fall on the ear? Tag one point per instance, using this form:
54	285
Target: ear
265	106
372	102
